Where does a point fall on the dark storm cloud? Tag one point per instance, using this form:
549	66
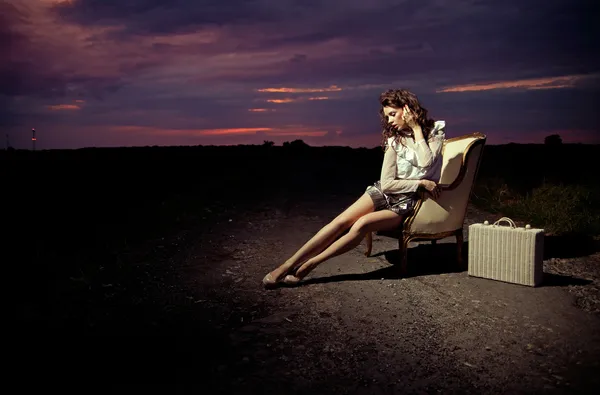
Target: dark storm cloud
164	16
548	38
10	41
463	37
28	68
198	64
21	72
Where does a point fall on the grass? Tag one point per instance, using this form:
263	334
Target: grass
556	207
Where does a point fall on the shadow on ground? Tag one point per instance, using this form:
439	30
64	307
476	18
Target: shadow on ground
558	280
428	259
569	246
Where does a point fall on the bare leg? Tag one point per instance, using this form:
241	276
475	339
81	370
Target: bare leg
326	235
380	220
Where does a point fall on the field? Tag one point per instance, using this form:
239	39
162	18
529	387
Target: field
175	241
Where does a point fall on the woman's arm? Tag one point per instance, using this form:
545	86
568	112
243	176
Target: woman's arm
389	184
428	151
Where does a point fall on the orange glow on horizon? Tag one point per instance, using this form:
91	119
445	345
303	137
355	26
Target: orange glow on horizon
291	131
319	133
533	83
187	132
318	98
260	109
216	132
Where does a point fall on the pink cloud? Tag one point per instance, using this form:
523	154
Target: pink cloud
288	131
332	88
568	81
279	101
62	107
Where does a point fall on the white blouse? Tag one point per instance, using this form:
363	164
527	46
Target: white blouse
404	165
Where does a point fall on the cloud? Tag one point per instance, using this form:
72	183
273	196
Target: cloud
332	88
211	65
50	59
106	44
288	131
290	100
568	81
298	58
61	107
279	101
156	16
261	109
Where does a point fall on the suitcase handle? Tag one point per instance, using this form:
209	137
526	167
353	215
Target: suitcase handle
510	221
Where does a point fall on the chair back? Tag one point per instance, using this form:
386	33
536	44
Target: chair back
461	158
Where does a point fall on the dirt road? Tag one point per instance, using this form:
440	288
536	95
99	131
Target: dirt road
354	327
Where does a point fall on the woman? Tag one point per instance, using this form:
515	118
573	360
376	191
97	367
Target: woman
412	160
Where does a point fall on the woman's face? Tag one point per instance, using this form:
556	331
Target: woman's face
394	116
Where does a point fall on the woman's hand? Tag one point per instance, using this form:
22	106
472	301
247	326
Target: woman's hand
409	118
431	187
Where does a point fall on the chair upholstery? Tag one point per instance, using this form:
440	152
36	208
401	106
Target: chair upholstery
444	217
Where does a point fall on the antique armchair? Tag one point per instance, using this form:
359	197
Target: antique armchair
444	217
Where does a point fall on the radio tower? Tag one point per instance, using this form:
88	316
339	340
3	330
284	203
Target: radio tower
33	138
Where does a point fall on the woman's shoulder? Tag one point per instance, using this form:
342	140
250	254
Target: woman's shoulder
392	142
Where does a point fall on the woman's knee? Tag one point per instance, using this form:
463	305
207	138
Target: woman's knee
341	223
361	225
382	220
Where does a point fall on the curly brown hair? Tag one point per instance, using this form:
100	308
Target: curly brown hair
397	98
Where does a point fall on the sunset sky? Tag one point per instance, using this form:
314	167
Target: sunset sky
105	73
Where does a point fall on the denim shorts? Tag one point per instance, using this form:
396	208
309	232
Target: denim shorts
400	203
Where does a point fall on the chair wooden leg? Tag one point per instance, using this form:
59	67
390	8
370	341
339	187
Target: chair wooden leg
369	239
403	247
459	247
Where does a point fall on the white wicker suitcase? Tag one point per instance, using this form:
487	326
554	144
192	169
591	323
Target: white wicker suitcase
506	253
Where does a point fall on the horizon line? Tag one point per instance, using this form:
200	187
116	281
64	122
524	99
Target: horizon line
250	145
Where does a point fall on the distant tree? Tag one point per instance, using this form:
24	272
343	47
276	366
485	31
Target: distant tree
553	139
267	143
298	144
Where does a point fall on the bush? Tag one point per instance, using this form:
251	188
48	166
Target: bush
562	208
557	208
493	194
